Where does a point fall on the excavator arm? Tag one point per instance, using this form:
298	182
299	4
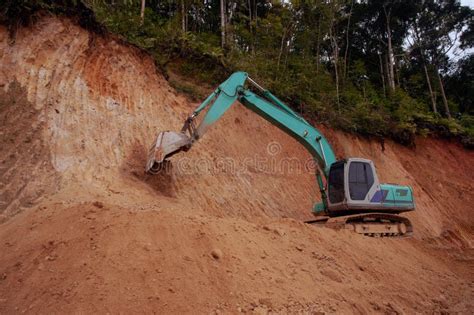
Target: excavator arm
267	105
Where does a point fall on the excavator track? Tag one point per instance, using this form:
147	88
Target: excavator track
369	224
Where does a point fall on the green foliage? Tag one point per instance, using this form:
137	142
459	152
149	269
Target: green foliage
15	13
301	50
467	123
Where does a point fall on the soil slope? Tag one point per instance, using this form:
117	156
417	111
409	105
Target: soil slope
83	229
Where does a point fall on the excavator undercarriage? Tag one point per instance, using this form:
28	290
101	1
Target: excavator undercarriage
368	224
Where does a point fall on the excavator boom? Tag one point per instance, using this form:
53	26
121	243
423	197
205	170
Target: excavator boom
351	193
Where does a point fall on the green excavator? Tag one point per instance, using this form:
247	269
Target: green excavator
352	196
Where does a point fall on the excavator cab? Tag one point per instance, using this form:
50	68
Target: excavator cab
355	199
353	186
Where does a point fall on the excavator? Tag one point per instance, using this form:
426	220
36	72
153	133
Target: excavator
351	195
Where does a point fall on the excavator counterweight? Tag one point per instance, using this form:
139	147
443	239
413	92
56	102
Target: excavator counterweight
352	196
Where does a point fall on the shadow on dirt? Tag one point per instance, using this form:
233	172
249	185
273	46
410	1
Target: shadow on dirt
163	183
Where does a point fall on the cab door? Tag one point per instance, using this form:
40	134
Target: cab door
336	186
362	182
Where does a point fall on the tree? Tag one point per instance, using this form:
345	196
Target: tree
142	12
435	43
379	32
333	38
223	23
418	49
183	16
461	84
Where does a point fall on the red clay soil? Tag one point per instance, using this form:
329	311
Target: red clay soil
85	230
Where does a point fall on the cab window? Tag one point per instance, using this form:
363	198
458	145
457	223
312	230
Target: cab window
336	183
361	180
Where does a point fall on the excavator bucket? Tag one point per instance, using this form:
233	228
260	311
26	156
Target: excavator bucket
167	143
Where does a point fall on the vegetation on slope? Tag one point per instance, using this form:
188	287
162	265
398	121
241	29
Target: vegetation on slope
379	68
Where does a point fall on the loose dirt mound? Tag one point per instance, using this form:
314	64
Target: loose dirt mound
221	230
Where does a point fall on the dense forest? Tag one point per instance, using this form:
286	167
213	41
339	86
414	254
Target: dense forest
376	67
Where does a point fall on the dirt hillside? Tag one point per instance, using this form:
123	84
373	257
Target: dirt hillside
83	229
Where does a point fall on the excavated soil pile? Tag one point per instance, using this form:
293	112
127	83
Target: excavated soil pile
85	230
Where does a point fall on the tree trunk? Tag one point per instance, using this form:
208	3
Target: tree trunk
428	81
142	12
347	39
335	51
425	68
255	17
250	27
390	74
391	77
382	76
387	70
443	94
249	3
232	7
318	43
337	81
183	17
283	36
223	23
396	72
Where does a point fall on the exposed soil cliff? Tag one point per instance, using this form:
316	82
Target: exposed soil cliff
84	229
